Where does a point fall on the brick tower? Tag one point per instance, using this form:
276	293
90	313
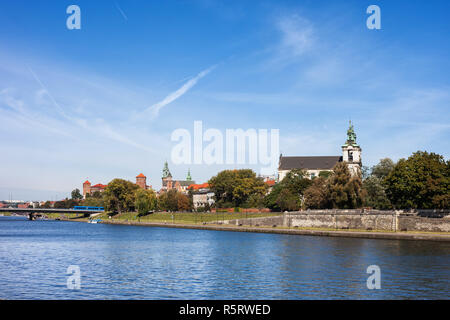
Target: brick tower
86	188
141	181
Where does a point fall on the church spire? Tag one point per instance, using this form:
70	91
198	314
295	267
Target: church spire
351	135
189	178
166	172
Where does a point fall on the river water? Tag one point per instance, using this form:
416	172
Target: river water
129	262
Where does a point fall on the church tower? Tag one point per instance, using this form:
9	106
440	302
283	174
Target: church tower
351	152
166	178
189	178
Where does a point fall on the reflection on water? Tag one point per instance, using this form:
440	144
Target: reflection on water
126	262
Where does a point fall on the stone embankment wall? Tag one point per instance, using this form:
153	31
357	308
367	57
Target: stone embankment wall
355	219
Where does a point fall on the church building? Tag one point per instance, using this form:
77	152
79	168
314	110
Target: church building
313	165
168	183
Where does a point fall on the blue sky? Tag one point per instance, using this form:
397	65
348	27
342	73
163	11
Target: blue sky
74	103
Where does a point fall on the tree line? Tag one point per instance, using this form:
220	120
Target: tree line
420	181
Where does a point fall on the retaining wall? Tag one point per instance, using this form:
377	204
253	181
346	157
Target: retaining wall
351	219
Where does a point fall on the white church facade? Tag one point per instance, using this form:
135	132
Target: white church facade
313	165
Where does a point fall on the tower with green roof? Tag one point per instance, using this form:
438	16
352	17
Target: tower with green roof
351	151
189	178
166	171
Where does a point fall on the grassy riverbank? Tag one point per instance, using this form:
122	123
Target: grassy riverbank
184	217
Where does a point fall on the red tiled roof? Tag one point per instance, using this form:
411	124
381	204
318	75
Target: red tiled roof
199	186
99	185
86	182
141	176
270	182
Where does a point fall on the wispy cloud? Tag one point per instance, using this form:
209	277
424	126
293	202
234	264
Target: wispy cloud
153	110
121	11
297	36
100	127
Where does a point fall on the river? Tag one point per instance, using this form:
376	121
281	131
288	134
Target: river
133	262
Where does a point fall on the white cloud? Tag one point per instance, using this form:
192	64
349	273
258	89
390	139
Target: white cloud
154	109
297	36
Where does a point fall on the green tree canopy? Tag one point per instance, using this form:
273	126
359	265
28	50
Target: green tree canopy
383	168
316	196
145	200
345	191
287	194
421	181
236	187
76	194
119	195
173	201
375	193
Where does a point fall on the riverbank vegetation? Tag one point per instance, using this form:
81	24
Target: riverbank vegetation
183	217
421	181
238	188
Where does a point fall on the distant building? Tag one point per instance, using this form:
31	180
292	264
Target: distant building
313	165
270	183
201	195
141	181
168	183
89	189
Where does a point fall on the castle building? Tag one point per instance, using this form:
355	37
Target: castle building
89	189
168	183
141	181
314	165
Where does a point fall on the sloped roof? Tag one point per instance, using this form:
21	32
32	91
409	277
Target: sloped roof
308	163
141	175
199	186
99	185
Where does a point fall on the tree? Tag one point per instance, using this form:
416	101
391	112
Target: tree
173	201
270	200
119	195
145	200
421	181
286	200
383	168
345	191
76	194
316	196
376	195
292	186
161	201
183	203
235	187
